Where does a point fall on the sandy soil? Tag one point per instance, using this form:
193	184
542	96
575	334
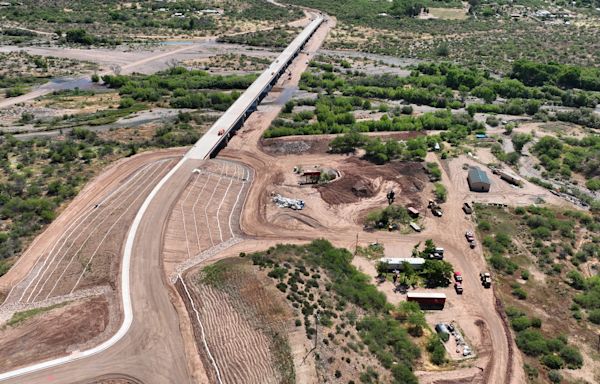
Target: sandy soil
475	304
39	337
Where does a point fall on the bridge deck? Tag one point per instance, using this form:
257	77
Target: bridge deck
234	117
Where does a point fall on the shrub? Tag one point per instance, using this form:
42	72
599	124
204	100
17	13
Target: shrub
484	225
532	342
536	322
520	323
437	350
555	377
572	357
594	316
525	274
441	194
126	102
519	293
95	78
552	361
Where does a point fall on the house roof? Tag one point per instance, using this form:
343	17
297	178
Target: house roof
476	175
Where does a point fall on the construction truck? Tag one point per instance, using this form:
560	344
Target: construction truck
486	279
435	208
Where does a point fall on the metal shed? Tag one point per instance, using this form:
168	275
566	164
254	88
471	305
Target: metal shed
478	180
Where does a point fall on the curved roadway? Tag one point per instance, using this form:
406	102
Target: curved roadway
148	344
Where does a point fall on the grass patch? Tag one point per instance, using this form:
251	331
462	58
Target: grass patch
19	317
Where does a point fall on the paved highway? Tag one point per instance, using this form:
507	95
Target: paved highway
233	119
153	347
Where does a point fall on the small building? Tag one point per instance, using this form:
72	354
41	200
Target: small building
413	211
427	300
478	180
397	263
510	178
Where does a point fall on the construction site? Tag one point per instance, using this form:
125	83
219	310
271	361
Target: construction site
150	275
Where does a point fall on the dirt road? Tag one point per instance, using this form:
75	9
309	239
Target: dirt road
153	350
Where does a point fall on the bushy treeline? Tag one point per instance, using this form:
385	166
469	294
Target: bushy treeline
566	155
334	115
181	86
564	76
446	85
380	151
81	36
276	37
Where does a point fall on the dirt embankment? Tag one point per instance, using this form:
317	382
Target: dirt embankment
53	333
317	144
244	324
361	179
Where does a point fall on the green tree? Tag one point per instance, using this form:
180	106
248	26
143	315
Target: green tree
519	140
437	273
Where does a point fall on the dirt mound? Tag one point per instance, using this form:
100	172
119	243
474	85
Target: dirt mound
287	146
361	179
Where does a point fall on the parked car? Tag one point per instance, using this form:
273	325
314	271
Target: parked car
458	287
467	208
470	236
486	279
458	276
472	244
466	350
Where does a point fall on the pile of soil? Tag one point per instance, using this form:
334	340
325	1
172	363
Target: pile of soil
360	180
289	146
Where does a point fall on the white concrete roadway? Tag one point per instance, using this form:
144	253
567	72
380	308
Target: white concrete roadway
203	149
210	141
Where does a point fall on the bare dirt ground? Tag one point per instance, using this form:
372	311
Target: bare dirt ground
497	362
87	253
244	324
53	333
78	256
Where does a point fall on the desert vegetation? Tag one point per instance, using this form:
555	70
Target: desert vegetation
348	318
539	256
113	22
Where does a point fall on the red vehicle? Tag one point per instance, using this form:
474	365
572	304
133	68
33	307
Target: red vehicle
458	276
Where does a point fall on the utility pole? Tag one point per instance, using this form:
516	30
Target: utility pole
356	245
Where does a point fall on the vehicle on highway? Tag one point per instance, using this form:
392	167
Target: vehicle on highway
458	276
486	279
458	287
